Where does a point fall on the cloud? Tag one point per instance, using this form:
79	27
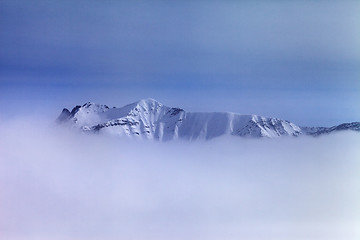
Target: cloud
57	184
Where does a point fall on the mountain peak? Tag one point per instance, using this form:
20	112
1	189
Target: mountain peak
88	104
65	114
94	105
148	102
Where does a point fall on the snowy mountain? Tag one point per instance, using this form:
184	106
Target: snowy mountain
149	119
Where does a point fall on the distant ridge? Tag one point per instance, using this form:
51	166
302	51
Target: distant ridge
150	119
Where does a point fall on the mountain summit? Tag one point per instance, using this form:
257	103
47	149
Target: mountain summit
150	119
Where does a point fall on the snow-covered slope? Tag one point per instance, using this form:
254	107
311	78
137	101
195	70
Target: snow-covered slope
150	119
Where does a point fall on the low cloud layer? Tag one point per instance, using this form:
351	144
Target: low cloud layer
56	184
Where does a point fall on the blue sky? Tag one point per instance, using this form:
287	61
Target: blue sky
297	60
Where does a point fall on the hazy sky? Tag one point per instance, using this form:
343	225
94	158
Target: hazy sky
297	60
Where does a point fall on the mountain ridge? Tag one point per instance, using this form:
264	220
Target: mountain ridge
150	119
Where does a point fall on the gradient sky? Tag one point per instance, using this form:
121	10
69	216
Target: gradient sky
296	60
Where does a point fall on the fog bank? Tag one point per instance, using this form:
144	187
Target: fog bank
61	185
